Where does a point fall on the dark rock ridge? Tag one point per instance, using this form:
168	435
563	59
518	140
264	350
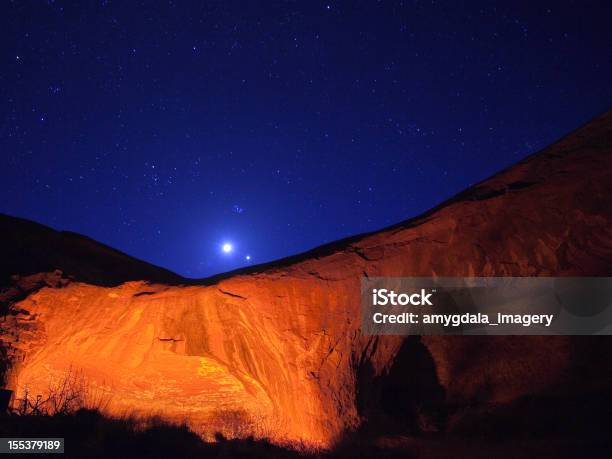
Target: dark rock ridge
30	248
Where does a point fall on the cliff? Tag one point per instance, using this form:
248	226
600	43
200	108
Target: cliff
279	345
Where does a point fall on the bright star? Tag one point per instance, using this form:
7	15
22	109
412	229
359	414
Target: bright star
227	247
248	257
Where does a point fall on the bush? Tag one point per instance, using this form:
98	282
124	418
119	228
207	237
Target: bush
64	395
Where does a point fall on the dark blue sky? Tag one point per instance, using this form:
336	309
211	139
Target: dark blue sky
166	128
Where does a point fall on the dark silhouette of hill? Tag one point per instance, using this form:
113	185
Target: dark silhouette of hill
29	248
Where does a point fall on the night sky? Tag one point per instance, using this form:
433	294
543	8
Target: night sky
166	129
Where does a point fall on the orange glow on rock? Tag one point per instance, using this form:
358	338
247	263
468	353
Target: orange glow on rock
278	352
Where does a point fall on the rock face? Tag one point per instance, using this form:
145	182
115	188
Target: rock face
279	346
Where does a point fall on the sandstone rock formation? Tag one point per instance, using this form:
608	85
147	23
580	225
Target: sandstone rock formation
280	344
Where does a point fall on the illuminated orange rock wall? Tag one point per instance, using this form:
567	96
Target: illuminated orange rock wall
283	343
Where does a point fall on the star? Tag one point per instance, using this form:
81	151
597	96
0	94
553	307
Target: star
227	247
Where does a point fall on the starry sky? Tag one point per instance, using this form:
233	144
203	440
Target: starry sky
168	129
